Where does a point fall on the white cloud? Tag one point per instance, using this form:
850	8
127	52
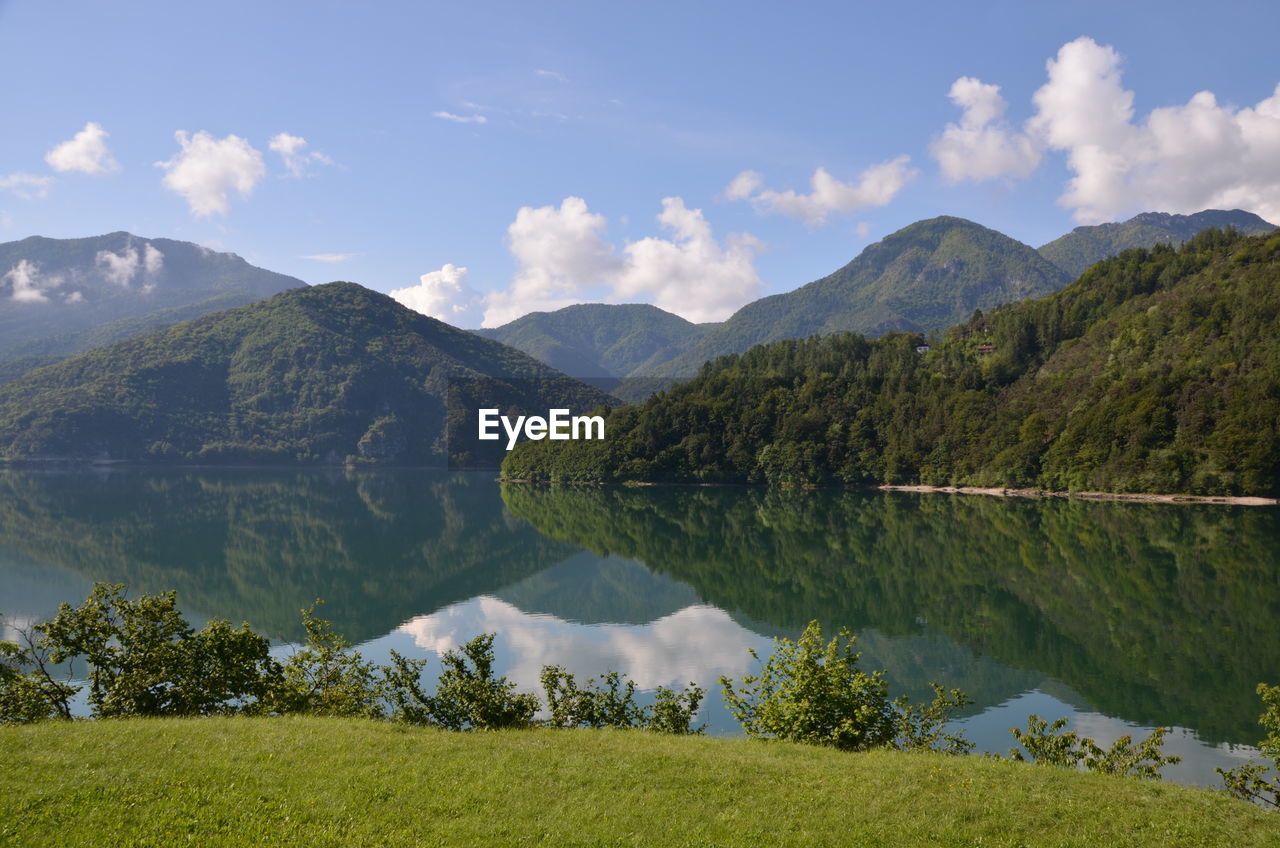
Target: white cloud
875	186
290	148
118	269
29	284
153	259
1182	158
443	295
26	186
743	186
560	254
208	169
693	275
461	119
563	258
982	146
85	152
329	257
122	268
73	297
555	75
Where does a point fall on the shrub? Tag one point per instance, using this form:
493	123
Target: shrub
1251	781
145	660
611	703
1042	743
326	677
813	692
468	696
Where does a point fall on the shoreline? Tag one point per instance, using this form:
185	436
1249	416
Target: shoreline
1230	500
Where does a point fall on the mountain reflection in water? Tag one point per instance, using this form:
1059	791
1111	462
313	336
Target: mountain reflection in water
1120	615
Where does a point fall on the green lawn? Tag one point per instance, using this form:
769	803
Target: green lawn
315	782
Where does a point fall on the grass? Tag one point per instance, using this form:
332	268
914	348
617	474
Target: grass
318	782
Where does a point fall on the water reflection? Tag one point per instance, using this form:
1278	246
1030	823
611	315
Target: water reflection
1119	615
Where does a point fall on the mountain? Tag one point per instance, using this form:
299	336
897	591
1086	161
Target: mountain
1083	246
1156	371
65	296
924	277
601	342
317	374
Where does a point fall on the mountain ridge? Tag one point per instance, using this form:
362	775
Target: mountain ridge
319	374
1075	251
66	296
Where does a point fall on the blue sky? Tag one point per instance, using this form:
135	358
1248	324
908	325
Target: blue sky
536	145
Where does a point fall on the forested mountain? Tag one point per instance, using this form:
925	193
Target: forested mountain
1083	246
926	276
1157	371
65	296
599	341
314	374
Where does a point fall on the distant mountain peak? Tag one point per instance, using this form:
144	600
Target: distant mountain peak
1083	246
63	296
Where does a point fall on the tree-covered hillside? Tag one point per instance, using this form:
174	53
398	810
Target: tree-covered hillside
311	375
926	276
65	296
1083	246
599	341
1156	371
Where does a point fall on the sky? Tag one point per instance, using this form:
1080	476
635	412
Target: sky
483	160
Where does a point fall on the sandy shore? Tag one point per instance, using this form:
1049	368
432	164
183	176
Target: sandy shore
1092	496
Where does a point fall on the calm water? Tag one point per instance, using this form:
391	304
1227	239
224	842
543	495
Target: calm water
1120	616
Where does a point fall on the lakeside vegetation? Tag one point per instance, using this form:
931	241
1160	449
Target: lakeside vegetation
142	659
1156	371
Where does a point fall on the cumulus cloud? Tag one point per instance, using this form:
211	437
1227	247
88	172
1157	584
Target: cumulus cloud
560	255
555	75
85	152
982	146
875	186
123	268
28	284
563	258
1181	158
460	119
444	295
153	259
206	170
24	185
743	186
692	275
118	269
296	159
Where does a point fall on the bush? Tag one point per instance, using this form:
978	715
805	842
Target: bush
1044	744
468	696
145	660
813	692
1251	781
612	704
326	677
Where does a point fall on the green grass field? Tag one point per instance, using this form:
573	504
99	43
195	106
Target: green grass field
317	782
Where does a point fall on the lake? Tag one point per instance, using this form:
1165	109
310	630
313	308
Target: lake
1119	616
